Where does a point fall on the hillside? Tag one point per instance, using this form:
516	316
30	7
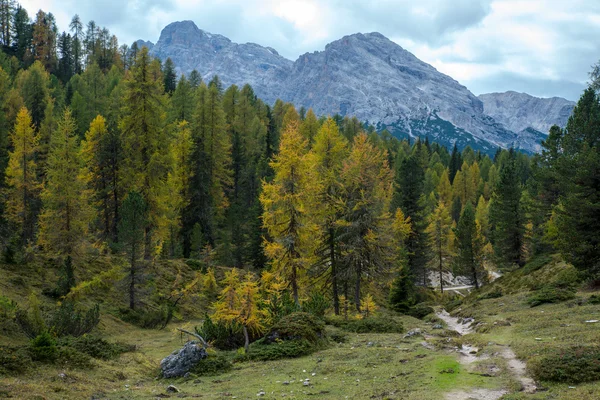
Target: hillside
432	364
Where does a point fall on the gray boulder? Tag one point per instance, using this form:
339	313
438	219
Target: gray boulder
183	360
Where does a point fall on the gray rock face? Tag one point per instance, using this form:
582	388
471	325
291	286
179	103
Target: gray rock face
362	75
183	360
520	111
192	48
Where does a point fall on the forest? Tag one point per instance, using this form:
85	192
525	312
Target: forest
106	153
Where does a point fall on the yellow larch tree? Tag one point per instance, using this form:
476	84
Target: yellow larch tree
21	176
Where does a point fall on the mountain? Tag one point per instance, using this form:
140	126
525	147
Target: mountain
362	75
192	48
520	111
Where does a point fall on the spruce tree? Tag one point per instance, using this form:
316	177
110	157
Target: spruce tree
469	246
507	216
169	76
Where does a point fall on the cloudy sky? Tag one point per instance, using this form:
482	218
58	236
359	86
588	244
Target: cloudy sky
542	47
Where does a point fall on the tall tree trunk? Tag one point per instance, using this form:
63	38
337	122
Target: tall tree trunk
132	278
357	286
334	285
294	281
441	266
246	338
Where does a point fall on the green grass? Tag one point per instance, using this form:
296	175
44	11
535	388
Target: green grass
364	366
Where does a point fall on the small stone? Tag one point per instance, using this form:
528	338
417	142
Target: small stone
186	375
314	373
591	321
538	338
261	393
286	382
437	326
306	383
572	387
370	344
62	375
197	381
172	389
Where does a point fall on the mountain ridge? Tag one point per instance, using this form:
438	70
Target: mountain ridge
364	75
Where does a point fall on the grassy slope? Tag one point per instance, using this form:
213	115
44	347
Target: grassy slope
534	331
392	367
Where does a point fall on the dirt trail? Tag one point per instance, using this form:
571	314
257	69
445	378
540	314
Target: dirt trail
468	355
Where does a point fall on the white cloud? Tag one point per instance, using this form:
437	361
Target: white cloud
525	45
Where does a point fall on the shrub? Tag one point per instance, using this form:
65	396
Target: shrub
14	360
567	278
43	347
263	350
95	347
67	321
368	325
536	263
212	365
64	321
148	319
419	311
550	294
72	358
338	336
492	294
316	305
8	308
297	326
594	299
221	336
570	365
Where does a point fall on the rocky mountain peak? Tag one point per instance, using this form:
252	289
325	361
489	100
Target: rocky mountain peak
364	75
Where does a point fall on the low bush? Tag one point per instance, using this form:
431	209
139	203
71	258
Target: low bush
297	326
536	263
148	319
15	360
594	299
378	324
263	350
419	311
453	304
495	293
43	348
221	336
337	336
575	364
550	294
64	321
95	347
72	358
212	365
8	308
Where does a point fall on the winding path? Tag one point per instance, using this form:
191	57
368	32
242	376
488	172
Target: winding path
516	367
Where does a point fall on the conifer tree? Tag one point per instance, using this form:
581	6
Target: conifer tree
285	208
507	216
578	169
144	140
132	227
368	243
66	213
101	157
309	126
21	177
170	78
440	235
328	155
469	258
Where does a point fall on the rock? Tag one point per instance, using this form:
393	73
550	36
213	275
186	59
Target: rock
172	389
437	326
286	382
370	344
591	321
520	111
306	383
412	332
183	360
62	375
261	393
